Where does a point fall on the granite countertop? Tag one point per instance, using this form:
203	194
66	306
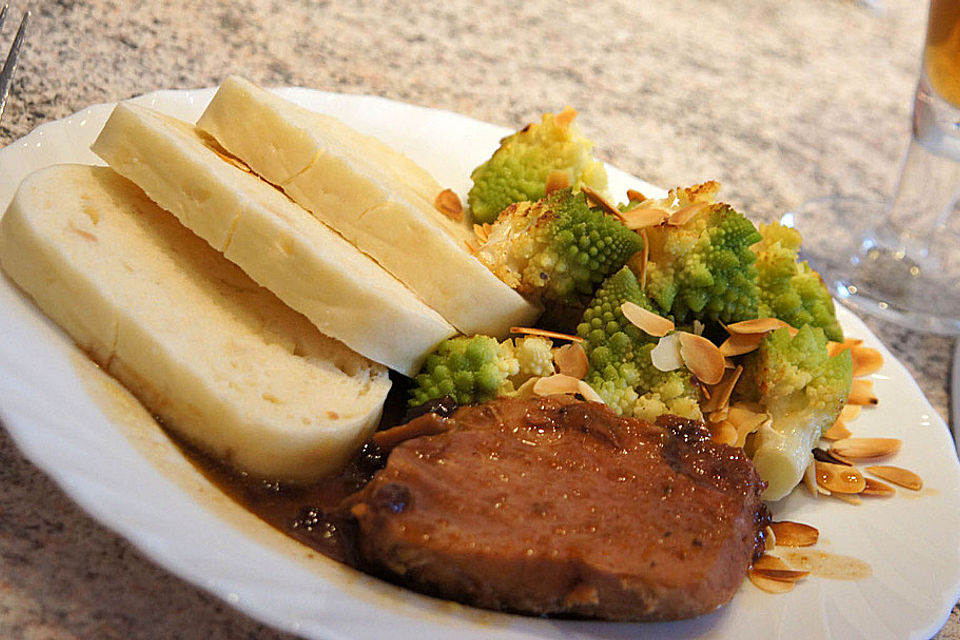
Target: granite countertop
780	101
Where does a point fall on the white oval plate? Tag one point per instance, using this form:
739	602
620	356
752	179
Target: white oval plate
81	428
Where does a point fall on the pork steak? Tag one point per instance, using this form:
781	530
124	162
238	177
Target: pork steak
560	507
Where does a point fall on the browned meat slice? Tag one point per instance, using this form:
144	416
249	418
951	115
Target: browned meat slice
553	506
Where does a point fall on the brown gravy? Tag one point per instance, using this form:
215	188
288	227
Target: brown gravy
303	511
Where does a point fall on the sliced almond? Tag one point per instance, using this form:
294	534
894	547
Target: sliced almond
566	117
790	575
810	479
770	585
666	355
635	196
757	325
643	217
838	431
556	180
865	361
686	214
719	394
533	331
448	203
558	384
865	448
738	344
702	357
848	498
644	258
877	488
482	231
647	321
723	432
825	455
767	562
795	534
850	412
839	478
746	421
898	476
572	360
861	392
526	389
597	198
769	538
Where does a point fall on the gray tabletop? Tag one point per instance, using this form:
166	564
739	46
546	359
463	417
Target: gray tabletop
780	101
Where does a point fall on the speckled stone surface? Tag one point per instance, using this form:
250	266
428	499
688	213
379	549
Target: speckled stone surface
780	101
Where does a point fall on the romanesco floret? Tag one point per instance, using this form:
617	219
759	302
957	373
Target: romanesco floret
518	170
479	368
791	290
558	248
703	269
621	370
803	389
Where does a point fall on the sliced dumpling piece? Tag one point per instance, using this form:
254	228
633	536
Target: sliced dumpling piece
219	359
306	264
376	197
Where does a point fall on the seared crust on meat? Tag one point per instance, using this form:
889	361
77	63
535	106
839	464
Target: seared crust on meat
560	507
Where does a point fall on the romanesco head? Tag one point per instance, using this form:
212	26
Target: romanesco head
796	381
701	269
518	170
791	290
558	248
621	370
478	368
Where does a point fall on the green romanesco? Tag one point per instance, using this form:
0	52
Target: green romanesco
519	169
557	249
702	269
803	389
791	290
479	368
621	370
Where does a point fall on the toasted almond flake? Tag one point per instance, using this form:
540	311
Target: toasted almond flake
597	198
850	412
702	357
758	325
448	203
646	321
643	217
482	231
686	214
723	432
898	476
746	421
839	478
739	344
865	448
767	562
810	479
838	431
825	455
556	180
861	392
769	539
769	585
565	118
781	574
718	416
635	196
572	360
833	348
848	498
877	488
666	355
562	384
526	389
533	331
719	394
795	534
865	361
471	249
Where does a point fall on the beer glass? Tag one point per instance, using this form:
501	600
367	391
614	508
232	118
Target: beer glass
900	260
